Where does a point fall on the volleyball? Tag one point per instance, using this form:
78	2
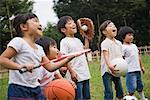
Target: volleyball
121	67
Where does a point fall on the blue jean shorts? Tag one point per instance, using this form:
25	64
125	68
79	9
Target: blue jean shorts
108	79
83	90
18	92
134	81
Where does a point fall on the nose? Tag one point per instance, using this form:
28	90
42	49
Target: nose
132	37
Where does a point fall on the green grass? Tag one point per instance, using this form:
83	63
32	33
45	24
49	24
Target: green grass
97	90
3	86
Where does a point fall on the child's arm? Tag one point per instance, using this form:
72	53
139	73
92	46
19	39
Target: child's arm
54	66
58	75
6	62
86	42
72	72
141	64
106	57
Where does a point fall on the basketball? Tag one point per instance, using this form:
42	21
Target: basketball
121	67
59	89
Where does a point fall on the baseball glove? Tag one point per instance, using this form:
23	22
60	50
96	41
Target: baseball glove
86	28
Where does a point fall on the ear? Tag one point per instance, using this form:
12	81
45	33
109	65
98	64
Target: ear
63	30
23	27
104	32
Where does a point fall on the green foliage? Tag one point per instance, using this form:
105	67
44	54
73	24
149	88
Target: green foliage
9	8
134	13
52	31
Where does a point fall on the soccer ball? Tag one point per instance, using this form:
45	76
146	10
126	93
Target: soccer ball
129	98
121	67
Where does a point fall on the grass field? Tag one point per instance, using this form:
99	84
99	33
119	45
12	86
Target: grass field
96	81
97	90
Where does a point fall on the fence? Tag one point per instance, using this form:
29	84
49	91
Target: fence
144	50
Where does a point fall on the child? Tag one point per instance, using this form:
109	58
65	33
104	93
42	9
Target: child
50	48
131	55
110	49
69	44
23	52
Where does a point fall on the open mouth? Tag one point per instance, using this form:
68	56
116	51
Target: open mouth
74	28
114	30
40	28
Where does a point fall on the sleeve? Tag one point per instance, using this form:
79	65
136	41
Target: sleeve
16	43
136	48
104	46
42	52
64	47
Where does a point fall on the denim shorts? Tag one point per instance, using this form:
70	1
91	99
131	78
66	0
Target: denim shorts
134	81
108	90
83	90
18	92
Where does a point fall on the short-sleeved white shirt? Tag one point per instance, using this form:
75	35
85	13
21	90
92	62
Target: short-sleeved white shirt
115	51
79	64
131	54
25	55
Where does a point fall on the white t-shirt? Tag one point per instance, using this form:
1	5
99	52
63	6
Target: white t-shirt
25	55
131	54
115	51
79	64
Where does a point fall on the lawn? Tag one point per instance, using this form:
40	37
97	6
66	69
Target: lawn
97	90
96	81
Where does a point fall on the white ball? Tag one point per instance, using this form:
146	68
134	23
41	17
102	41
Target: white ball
84	27
129	98
121	67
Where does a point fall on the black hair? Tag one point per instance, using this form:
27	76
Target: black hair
46	42
21	19
123	31
101	29
62	22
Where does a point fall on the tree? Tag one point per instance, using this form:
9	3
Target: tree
8	9
121	12
52	31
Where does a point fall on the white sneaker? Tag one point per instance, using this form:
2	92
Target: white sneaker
144	99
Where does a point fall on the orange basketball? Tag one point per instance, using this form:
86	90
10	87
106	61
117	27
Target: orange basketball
59	89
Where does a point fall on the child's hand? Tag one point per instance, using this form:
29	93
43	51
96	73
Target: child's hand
73	84
63	70
143	70
74	76
29	67
112	68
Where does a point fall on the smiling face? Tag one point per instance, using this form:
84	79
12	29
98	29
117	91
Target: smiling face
70	28
110	31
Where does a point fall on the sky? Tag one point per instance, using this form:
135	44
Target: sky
43	9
